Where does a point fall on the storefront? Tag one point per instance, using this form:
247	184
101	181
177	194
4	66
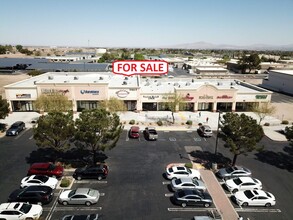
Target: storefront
128	95
22	100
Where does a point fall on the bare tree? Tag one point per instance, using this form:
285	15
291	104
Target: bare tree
263	110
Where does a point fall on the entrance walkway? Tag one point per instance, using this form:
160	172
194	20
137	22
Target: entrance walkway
220	199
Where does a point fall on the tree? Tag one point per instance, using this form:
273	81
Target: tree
113	105
54	131
289	134
2	49
53	102
173	101
263	110
34	73
249	62
4	108
138	56
241	134
97	130
19	47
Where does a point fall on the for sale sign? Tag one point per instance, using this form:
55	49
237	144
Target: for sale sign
140	67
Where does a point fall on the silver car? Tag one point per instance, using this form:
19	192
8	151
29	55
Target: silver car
79	196
231	172
187	183
81	217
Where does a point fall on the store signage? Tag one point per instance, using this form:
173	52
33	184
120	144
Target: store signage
23	96
188	97
92	92
205	97
150	97
224	97
261	96
140	67
122	93
48	91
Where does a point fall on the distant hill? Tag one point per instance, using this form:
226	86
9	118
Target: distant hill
205	45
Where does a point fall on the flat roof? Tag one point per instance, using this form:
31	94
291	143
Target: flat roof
288	72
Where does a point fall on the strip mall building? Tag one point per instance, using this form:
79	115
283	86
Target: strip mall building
86	90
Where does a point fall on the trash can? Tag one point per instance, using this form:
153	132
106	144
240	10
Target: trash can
214	166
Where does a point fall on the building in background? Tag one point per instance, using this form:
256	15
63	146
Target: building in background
279	81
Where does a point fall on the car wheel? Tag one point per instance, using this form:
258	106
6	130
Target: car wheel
64	203
245	204
183	205
207	205
16	133
268	205
235	190
174	178
78	178
88	203
100	177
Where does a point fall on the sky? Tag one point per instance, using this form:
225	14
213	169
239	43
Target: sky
145	23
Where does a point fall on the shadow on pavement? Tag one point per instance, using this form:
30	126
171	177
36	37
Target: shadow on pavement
207	158
278	159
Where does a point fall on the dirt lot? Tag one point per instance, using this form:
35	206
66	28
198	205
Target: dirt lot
284	106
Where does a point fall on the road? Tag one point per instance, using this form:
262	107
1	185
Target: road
136	188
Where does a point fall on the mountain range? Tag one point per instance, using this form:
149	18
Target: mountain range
205	45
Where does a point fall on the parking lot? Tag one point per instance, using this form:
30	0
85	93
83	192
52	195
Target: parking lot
135	187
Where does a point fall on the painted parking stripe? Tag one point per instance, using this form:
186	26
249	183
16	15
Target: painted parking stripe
197	139
21	133
169	194
90	181
172	139
102	194
68	208
189	131
31	137
166	183
52	209
166	131
162	139
257	210
127	137
190	209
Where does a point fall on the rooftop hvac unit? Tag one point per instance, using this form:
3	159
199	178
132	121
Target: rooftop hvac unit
232	83
124	83
126	78
219	83
101	78
188	84
75	78
50	77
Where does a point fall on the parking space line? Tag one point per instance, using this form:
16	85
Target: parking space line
169	194
90	181
166	183
197	139
21	134
257	210
172	139
166	131
31	137
127	137
189	131
53	206
102	194
68	208
190	209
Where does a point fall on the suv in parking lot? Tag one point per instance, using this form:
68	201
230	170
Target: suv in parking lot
32	194
20	211
48	169
91	172
15	128
205	131
134	132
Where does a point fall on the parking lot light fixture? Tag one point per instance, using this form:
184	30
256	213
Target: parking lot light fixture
217	138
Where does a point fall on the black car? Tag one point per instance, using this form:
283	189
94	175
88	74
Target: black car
32	194
81	217
186	197
91	172
15	128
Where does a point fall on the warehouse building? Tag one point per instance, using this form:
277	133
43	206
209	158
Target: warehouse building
279	81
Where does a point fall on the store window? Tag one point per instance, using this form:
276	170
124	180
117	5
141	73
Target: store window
88	105
23	106
149	106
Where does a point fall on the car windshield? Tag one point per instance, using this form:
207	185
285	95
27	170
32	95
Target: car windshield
237	181
14	126
42	178
178	181
25	208
181	194
71	193
229	169
248	194
92	192
268	195
188	170
170	170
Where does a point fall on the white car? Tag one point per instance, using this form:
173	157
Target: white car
20	211
187	183
39	180
243	183
254	198
176	172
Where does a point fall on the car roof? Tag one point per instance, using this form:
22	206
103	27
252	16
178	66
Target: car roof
186	180
17	123
10	206
40	165
177	168
206	126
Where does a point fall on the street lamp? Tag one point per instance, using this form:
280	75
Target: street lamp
216	148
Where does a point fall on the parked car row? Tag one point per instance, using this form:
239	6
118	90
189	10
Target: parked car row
187	187
246	189
150	133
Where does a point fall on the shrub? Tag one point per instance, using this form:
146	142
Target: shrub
285	122
189	122
65	182
266	124
182	123
199	124
188	165
132	122
160	123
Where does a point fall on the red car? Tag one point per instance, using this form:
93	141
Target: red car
48	169
134	132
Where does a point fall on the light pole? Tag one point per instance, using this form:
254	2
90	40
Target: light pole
216	148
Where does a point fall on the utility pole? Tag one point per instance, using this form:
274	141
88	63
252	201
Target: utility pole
216	148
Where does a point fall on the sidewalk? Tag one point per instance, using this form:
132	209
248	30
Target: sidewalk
150	118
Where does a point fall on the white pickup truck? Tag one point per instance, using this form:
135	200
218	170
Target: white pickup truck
151	133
